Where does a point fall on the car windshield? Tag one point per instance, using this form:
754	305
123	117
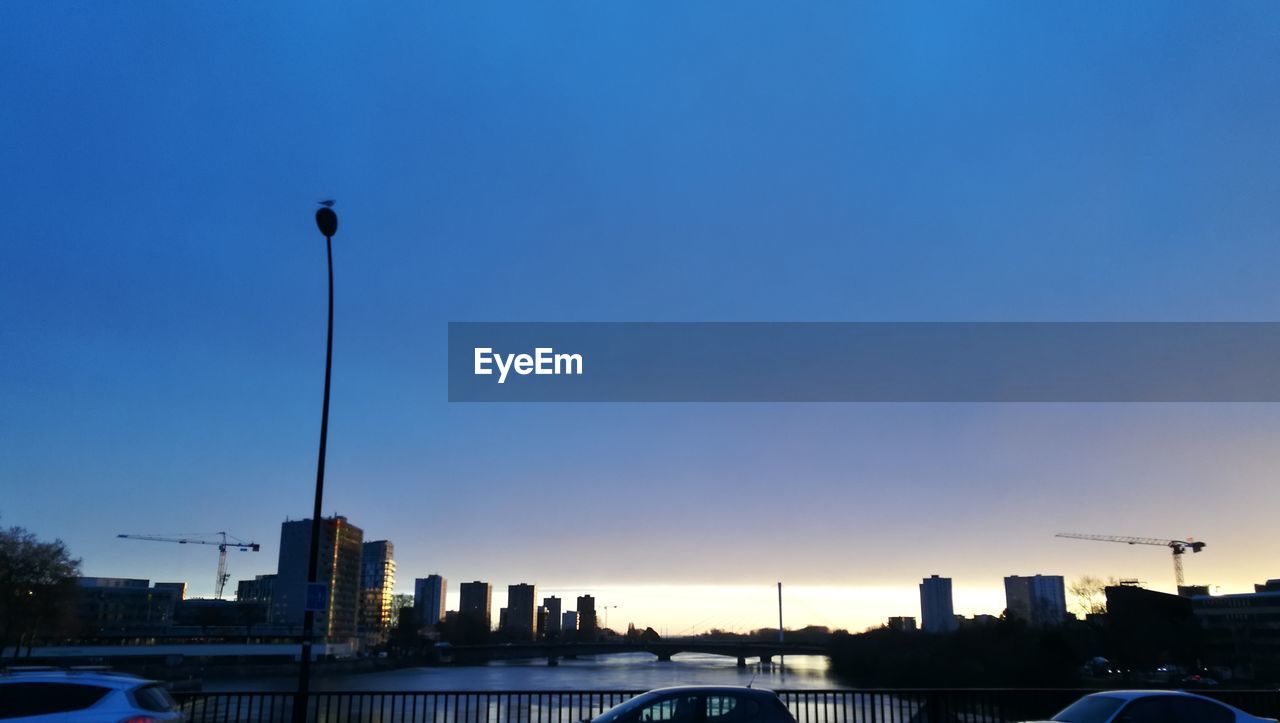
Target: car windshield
1090	709
622	709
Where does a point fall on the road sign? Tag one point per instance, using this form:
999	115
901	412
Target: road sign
317	597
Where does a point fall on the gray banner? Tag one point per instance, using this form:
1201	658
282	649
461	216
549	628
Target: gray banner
864	362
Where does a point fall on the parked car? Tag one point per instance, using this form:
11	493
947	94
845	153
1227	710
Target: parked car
71	696
700	704
1196	680
1152	706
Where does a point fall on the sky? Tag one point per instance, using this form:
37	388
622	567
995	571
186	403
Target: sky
162	285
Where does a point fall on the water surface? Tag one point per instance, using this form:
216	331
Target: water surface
622	671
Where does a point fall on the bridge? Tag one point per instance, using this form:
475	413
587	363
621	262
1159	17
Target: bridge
554	650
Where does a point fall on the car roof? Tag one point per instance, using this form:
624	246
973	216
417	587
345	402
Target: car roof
1132	694
105	679
711	689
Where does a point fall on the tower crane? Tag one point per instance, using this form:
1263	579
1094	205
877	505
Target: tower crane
1178	547
221	539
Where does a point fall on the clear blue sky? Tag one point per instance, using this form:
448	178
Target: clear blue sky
162	283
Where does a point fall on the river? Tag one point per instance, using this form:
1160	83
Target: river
624	671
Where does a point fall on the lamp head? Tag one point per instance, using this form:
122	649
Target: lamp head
326	219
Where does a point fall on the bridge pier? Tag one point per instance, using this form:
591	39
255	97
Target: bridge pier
742	661
766	659
663	657
552	661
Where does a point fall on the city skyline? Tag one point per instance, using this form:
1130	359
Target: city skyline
664	605
1038	599
162	291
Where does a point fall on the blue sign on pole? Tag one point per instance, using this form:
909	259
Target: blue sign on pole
317	597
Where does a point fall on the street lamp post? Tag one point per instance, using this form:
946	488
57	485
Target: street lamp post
327	222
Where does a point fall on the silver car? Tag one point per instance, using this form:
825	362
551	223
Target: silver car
700	704
70	696
1152	706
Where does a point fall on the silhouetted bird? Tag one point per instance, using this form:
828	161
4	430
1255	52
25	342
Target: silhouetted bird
328	203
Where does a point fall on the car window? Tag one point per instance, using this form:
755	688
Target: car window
679	709
1152	709
1195	710
723	708
1090	709
627	710
154	698
18	700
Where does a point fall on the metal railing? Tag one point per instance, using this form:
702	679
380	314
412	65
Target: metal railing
808	706
409	707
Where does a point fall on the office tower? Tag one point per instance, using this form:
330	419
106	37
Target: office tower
568	623
936	612
428	598
1039	601
474	600
541	617
377	586
552	629
338	569
902	624
587	626
521	610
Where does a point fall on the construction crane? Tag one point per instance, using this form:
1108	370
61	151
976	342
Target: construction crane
1178	547
222	540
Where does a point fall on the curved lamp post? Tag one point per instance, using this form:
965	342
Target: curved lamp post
327	222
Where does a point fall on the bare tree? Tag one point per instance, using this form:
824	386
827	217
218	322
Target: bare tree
1088	594
399	602
37	587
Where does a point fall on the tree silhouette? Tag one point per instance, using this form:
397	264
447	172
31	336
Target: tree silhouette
37	587
1088	593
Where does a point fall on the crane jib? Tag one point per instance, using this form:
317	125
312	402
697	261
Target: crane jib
1177	547
222	542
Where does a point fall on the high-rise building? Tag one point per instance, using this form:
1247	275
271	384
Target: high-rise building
377	586
937	615
568	622
552	628
1039	600
428	598
338	569
474	599
541	617
522	618
587	626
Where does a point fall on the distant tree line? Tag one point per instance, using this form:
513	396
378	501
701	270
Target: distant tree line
1006	653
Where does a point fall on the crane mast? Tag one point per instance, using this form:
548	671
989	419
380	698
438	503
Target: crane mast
1177	547
223	542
